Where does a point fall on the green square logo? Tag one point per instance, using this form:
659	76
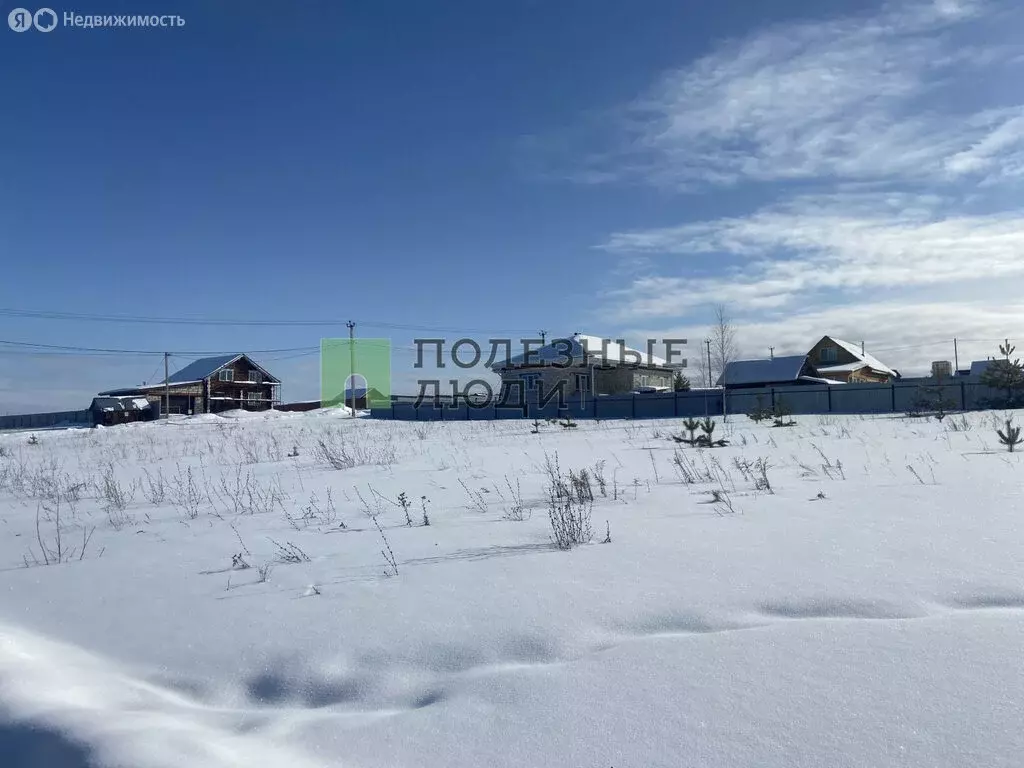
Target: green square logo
362	365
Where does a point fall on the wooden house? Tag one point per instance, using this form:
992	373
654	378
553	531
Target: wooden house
847	362
211	385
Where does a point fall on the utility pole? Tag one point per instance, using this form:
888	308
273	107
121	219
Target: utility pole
956	359
707	343
352	363
167	387
771	353
543	337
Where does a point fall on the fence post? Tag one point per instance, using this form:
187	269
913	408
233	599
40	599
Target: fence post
772	389
828	388
632	404
593	397
963	396
892	387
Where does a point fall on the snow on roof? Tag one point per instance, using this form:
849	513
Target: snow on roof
778	369
110	404
854	349
849	367
820	380
581	349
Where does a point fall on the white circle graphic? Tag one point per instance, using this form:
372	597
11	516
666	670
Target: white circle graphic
45	20
20	20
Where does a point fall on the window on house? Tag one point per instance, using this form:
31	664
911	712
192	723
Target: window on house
256	377
226	374
829	354
643	380
252	396
530	380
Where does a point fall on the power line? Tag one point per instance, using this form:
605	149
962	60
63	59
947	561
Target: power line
87	317
85	352
914	346
106	351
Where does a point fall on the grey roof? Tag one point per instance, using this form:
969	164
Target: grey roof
978	367
200	369
123	391
363	392
771	371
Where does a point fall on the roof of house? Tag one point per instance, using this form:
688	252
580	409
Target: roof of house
201	369
978	367
848	368
774	370
120	404
194	372
581	349
870	360
821	380
362	392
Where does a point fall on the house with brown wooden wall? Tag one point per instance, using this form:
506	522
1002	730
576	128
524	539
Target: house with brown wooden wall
847	362
211	385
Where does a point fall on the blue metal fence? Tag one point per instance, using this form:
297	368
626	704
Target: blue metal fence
46	420
897	397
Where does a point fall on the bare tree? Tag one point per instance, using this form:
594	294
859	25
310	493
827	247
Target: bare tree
723	342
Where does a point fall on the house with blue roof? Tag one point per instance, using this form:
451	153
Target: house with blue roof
773	372
211	385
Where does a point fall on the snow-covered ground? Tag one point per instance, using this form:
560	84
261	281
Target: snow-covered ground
866	609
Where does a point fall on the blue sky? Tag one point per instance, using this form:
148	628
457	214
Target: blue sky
500	168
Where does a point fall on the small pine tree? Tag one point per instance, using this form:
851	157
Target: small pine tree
781	413
760	413
680	383
691	425
1006	374
1010	437
707	439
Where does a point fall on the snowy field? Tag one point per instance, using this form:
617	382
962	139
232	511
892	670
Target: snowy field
262	591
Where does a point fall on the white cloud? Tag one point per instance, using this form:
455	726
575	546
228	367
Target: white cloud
905	131
905	336
796	250
858	98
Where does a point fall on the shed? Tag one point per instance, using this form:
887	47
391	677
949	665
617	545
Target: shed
107	411
776	371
